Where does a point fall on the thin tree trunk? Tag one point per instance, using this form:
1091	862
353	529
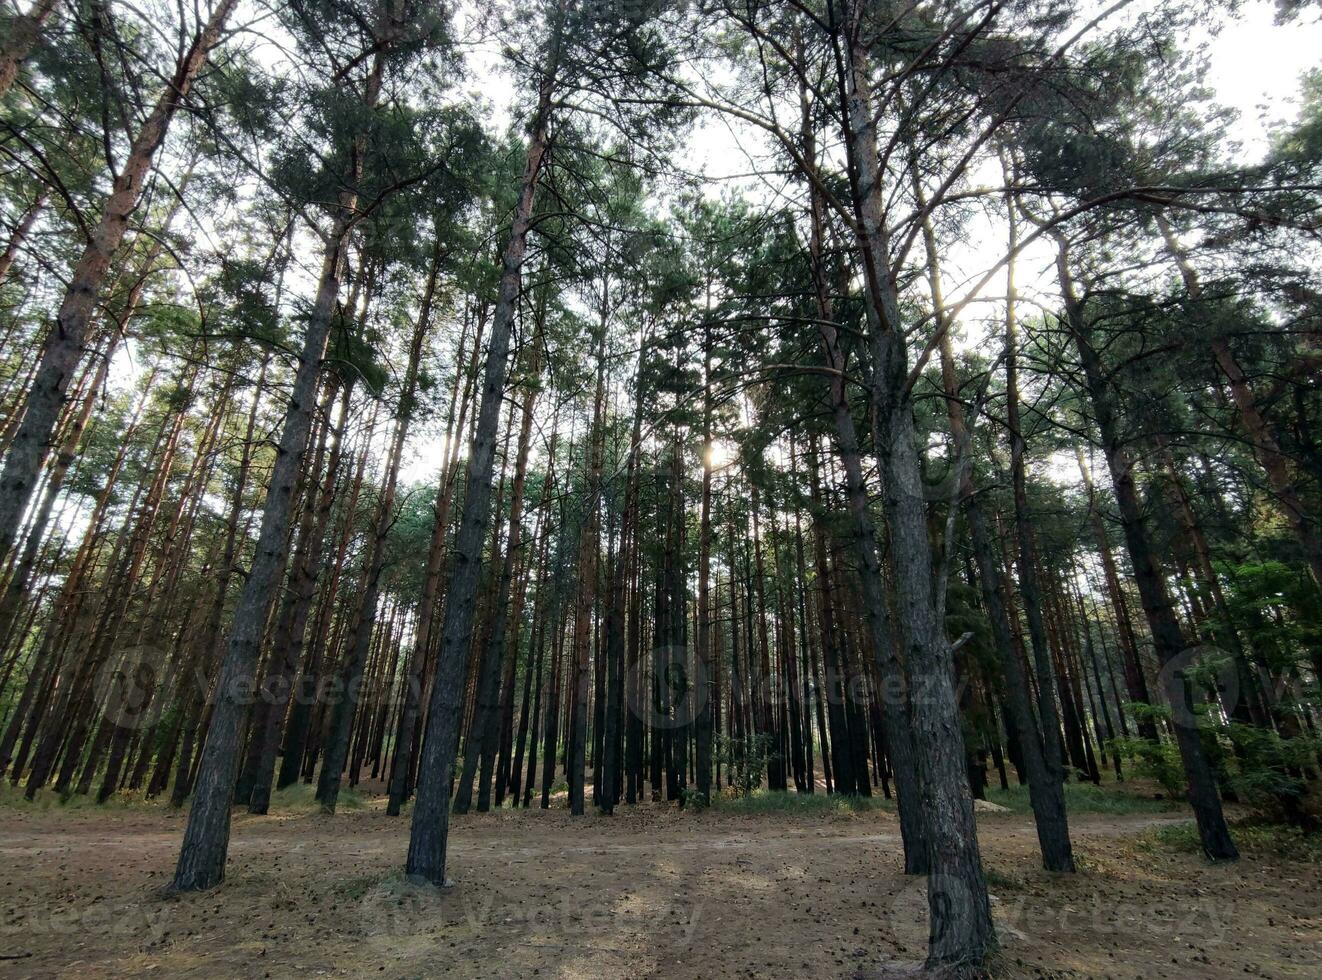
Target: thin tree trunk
65	346
430	825
24	225
1167	636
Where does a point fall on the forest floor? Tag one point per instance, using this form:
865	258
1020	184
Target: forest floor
736	891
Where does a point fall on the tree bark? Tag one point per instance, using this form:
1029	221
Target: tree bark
430	825
65	346
206	839
1167	636
23	32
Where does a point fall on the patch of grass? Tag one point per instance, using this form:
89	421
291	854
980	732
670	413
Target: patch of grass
1002	882
353	889
47	799
777	801
1253	840
301	797
1086	798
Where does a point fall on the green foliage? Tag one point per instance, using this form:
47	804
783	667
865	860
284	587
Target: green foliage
745	760
1262	768
1159	761
1266	769
300	797
761	801
1255	841
1087	798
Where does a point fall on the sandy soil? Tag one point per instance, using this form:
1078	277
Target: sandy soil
652	892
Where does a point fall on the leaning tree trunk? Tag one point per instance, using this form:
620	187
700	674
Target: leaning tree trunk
68	337
206	838
344	710
895	709
20	233
1026	555
294	619
417	669
1167	636
1265	445
961	930
483	731
1045	792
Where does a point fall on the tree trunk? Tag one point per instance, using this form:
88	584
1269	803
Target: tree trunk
483	731
23	32
1167	636
430	825
65	346
206	838
24	226
961	931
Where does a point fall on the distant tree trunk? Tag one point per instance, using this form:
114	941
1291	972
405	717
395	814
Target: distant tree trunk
20	578
1166	633
586	575
1263	439
839	764
207	647
407	731
807	673
1045	793
1135	682
703	660
24	225
302	733
344	710
70	721
1026	554
298	604
532	687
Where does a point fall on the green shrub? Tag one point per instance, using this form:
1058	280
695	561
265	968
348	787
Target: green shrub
745	760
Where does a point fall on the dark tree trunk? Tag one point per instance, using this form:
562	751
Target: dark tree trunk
430	824
1167	636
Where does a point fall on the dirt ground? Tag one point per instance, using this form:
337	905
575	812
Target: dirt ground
651	892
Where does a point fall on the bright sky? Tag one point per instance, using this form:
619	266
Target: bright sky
1256	65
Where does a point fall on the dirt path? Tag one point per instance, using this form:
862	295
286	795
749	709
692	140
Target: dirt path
649	893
